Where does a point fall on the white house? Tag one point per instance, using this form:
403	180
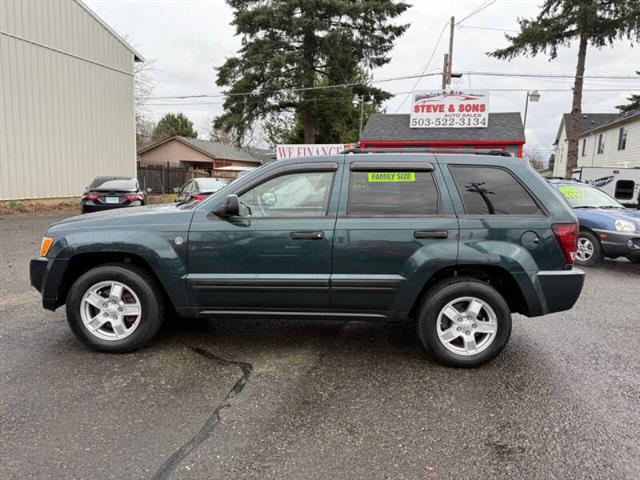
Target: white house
66	99
606	139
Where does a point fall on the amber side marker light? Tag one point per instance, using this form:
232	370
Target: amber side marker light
45	246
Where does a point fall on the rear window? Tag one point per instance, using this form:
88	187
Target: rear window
401	193
211	183
102	183
492	191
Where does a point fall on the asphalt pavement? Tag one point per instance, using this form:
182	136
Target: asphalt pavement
278	399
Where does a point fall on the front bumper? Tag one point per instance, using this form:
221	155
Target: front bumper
560	288
619	244
46	276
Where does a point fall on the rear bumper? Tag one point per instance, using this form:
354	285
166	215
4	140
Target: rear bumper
619	244
100	207
45	276
560	288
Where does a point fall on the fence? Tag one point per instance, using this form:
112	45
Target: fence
161	178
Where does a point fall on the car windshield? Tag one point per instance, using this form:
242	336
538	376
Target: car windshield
211	183
110	183
585	196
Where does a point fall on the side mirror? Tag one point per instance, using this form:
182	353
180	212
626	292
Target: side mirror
175	189
229	208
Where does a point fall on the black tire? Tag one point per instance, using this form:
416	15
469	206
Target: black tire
443	293
597	255
140	282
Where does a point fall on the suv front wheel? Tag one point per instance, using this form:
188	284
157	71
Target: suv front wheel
115	308
464	323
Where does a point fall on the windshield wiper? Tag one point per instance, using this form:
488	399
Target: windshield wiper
612	207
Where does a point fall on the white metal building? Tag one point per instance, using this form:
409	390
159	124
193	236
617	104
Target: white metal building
66	99
606	139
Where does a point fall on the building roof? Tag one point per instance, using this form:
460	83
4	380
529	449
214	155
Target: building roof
136	55
618	120
503	127
589	121
214	150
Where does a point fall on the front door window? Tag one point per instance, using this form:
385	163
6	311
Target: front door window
301	194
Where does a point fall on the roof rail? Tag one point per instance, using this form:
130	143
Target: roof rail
469	151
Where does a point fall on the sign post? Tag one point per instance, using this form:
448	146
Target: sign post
450	109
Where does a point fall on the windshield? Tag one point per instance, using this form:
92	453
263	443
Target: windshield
110	183
584	196
211	183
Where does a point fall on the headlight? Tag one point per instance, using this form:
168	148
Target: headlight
624	226
45	246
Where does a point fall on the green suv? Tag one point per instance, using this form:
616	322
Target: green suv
455	243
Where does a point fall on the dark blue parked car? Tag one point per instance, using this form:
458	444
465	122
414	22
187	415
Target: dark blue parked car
607	228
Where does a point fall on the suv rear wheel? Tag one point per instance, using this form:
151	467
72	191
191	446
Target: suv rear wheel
464	323
115	308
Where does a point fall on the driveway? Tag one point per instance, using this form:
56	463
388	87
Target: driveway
317	400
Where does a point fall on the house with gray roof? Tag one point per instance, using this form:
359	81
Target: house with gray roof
217	159
605	139
503	132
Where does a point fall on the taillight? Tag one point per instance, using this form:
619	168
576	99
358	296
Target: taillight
133	197
199	198
91	196
567	236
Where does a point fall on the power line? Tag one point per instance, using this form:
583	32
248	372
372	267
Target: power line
340	98
551	75
403	77
486	4
298	89
426	67
489	28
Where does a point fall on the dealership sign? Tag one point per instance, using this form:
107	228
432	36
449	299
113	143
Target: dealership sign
309	150
450	109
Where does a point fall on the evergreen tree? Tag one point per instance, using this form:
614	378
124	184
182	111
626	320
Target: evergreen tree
174	124
633	105
290	47
591	22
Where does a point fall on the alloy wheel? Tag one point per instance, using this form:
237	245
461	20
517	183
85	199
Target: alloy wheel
585	249
110	310
467	326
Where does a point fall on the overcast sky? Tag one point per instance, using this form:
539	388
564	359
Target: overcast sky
188	39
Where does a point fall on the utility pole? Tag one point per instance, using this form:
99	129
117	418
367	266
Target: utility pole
450	61
445	69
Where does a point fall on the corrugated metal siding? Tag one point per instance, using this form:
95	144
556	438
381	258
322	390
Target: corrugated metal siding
63	120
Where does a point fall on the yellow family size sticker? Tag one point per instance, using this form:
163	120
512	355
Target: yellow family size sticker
570	191
392	177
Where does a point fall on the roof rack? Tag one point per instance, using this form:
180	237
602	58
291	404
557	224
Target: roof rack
469	151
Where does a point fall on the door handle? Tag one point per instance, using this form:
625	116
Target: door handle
305	235
432	234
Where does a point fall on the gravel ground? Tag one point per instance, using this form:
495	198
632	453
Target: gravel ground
288	399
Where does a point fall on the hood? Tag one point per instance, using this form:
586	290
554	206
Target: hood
605	218
164	214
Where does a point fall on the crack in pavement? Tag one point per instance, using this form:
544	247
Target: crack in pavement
214	419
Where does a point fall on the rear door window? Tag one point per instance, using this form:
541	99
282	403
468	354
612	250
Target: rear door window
392	193
492	191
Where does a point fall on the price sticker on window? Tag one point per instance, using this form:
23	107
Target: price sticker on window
570	192
391	177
